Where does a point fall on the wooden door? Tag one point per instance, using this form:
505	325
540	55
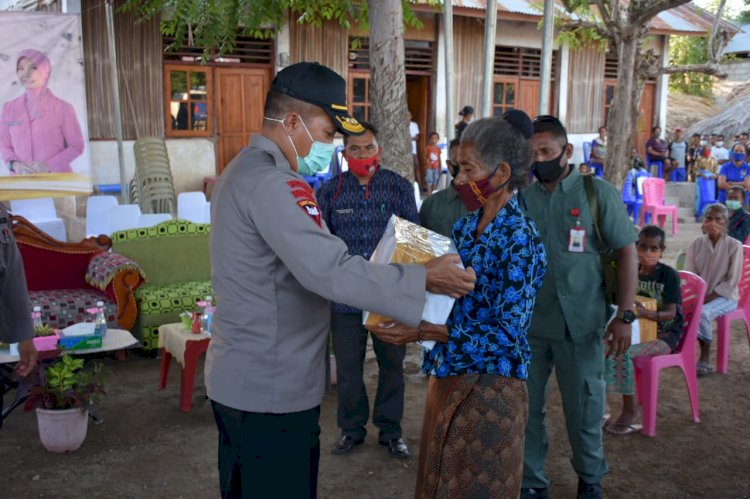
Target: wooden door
645	118
241	94
417	99
528	97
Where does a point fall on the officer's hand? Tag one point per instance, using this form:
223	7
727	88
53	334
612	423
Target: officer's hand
619	335
27	350
444	277
394	332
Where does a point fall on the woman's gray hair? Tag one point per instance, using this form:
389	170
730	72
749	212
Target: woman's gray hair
497	142
718	208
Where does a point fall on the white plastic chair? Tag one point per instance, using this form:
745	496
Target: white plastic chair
41	212
98	216
151	219
123	217
207	213
191	206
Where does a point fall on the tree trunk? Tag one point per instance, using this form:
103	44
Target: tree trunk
620	119
389	110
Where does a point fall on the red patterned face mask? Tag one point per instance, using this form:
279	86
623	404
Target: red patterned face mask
362	167
475	194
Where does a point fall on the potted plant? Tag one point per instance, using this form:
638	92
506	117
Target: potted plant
62	398
45	338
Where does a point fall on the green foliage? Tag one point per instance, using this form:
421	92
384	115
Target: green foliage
44	330
744	16
690	50
585	31
214	24
66	385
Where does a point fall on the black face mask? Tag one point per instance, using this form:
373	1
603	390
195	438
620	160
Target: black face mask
548	171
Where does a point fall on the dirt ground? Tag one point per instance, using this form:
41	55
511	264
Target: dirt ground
147	447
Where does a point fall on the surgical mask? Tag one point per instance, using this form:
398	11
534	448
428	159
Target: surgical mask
738	157
362	167
720	143
474	194
734	205
703	142
319	156
548	171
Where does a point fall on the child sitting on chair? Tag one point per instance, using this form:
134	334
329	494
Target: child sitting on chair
661	282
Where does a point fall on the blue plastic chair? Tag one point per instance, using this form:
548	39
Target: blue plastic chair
630	196
658	163
314	181
587	152
707	194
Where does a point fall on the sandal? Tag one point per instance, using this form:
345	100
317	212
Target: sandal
704	369
621	429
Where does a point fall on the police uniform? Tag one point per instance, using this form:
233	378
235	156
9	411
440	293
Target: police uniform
275	266
567	325
15	310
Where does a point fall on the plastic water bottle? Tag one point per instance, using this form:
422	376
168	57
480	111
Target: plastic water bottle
36	316
207	315
100	323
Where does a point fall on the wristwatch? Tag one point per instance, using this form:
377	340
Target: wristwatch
626	316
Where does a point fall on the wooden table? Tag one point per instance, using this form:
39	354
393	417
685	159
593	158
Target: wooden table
186	348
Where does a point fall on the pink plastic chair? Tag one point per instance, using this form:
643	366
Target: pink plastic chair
653	204
741	313
647	369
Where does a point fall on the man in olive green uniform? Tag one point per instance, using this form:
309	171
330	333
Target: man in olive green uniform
441	210
567	326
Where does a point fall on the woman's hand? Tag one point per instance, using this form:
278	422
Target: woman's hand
39	167
394	332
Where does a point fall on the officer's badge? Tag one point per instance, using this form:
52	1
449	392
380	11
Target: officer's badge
350	124
305	199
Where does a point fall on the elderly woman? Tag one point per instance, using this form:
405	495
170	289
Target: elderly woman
39	133
717	258
476	410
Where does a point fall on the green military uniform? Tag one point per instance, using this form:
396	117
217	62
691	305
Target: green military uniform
441	211
567	325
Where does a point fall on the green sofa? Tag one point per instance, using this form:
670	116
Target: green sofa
175	260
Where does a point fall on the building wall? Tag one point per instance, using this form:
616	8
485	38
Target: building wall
738	71
190	159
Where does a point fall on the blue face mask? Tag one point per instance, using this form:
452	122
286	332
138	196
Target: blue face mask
738	157
319	156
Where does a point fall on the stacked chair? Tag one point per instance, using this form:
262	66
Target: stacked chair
153	189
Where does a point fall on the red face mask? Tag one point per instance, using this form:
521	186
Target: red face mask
475	194
362	167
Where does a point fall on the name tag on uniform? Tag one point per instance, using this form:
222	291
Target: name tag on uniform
347	211
13	123
577	240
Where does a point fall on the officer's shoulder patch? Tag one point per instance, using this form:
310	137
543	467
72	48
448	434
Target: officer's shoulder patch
305	199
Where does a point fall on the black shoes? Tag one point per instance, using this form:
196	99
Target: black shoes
345	445
589	490
397	448
534	494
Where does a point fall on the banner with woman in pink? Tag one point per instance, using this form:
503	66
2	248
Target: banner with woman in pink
43	136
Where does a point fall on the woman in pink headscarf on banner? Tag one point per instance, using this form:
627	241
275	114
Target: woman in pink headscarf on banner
39	133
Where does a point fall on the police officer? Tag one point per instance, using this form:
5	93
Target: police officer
16	325
275	266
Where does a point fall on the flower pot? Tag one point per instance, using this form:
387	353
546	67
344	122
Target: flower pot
43	343
62	430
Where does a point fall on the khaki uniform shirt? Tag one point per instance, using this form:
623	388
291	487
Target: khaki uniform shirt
441	211
572	294
275	265
15	310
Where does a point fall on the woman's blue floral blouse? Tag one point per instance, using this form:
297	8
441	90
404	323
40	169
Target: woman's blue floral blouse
487	328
